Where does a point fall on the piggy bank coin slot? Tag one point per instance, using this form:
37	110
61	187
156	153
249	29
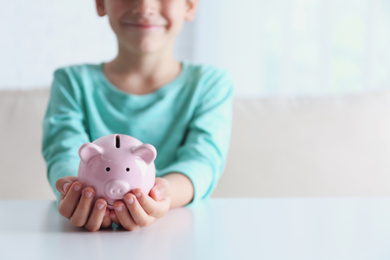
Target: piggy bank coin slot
117	143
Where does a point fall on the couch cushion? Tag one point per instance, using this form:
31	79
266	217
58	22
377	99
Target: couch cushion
297	146
23	173
309	146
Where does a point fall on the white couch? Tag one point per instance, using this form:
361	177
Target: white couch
281	146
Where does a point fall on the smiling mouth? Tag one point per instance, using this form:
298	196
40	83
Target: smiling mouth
110	205
143	26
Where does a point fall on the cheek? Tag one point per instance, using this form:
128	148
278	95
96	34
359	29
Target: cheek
115	7
174	13
176	25
114	12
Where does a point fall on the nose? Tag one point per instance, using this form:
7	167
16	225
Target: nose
116	189
144	7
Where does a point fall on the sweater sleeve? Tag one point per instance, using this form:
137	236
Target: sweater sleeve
202	155
63	129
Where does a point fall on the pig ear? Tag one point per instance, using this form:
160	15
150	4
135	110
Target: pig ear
89	150
146	151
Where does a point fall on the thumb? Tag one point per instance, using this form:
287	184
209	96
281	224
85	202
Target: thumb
160	190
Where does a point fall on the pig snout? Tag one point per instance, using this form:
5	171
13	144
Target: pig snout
117	189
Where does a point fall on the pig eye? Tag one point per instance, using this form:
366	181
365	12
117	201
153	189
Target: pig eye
127	169
108	169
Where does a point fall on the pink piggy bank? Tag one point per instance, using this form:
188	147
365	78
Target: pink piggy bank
115	165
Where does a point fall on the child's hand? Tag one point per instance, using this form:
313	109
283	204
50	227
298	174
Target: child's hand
76	204
140	209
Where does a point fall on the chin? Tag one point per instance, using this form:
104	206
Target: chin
145	51
146	45
146	48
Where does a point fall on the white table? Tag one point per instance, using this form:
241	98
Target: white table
271	228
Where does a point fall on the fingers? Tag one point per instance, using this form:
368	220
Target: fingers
124	217
138	213
95	220
106	220
68	205
139	210
81	213
113	217
63	184
76	205
146	203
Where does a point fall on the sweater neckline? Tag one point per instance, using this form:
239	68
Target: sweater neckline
159	91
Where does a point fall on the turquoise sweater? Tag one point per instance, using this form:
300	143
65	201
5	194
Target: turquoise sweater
188	121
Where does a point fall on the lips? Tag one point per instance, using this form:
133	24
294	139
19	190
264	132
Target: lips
143	25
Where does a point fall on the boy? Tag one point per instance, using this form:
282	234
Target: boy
183	109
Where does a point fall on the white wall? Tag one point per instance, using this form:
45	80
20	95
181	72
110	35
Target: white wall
297	46
41	35
270	47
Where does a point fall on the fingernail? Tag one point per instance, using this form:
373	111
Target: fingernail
138	194
88	194
130	200
119	208
77	187
99	206
65	187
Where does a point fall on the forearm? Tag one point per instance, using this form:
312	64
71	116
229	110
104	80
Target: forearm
182	189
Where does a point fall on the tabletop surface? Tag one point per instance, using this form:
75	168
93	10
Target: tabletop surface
261	228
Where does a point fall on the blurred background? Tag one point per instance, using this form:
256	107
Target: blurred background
317	73
278	47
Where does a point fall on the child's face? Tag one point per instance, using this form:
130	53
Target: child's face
146	26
